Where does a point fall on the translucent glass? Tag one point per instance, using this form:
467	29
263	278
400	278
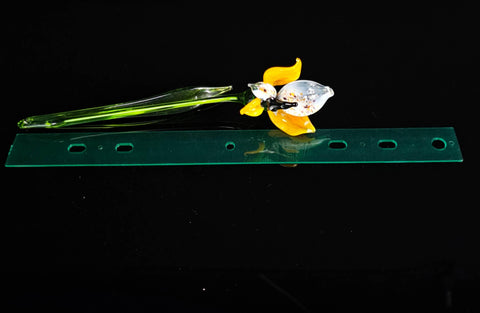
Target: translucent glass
176	101
383	145
310	96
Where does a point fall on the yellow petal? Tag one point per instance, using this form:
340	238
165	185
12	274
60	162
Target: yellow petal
253	108
292	125
279	75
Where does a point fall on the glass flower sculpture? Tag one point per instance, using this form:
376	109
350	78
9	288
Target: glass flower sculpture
288	109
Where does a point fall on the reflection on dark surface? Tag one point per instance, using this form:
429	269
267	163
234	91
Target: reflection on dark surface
280	146
433	288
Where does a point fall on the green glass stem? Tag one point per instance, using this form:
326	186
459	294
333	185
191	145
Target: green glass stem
172	102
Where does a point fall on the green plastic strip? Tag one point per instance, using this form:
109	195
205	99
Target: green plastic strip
379	145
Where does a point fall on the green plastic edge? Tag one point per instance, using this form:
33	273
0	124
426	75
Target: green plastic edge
152	148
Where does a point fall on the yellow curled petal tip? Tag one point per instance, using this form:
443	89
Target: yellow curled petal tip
280	75
253	108
292	125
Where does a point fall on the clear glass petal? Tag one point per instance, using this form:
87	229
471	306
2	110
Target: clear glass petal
309	95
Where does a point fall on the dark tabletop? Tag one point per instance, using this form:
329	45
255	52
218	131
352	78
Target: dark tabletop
243	238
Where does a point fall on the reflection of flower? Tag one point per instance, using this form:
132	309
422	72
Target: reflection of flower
276	76
280	147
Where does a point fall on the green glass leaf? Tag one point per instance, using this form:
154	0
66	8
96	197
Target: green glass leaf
172	102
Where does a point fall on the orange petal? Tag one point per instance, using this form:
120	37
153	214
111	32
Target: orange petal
292	125
278	75
253	108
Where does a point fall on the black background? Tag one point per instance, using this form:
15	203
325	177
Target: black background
315	238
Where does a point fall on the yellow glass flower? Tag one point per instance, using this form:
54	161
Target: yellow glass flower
283	108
